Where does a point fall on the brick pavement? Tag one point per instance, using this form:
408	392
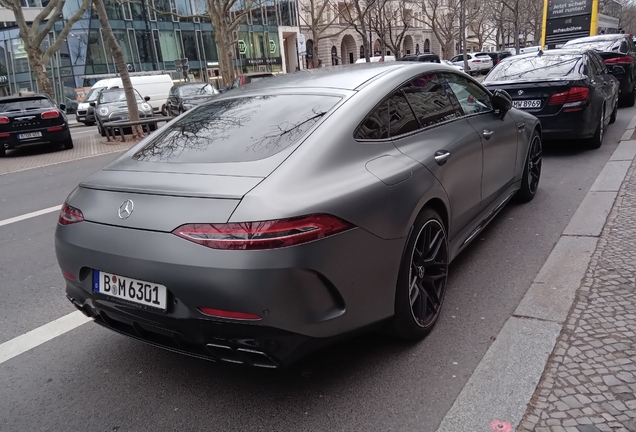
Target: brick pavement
589	383
86	145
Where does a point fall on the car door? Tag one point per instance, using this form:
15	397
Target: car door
603	87
498	136
173	102
442	141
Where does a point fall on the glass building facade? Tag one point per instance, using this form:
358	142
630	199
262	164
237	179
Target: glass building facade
151	41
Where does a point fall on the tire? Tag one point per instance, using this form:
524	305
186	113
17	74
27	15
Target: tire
152	127
89	123
3	152
531	170
101	131
68	144
164	111
597	140
422	278
630	98
614	114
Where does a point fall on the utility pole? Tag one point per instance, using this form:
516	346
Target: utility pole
462	31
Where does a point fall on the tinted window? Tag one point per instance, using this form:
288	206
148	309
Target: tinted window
472	98
537	67
196	90
92	95
376	125
601	45
25	104
599	67
237	130
116	95
429	100
401	118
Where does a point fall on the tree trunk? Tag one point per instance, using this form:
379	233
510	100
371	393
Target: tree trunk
118	56
516	26
462	32
316	39
225	43
38	67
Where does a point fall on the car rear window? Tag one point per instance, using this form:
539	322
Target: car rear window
599	45
237	130
537	67
25	104
481	55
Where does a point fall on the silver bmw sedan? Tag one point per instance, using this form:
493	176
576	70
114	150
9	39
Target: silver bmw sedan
286	214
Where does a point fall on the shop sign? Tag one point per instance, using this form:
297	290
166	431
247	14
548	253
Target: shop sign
272	46
568	8
4	79
242	47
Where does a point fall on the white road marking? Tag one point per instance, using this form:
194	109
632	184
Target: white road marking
40	335
29	215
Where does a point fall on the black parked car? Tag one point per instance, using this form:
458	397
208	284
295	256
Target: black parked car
619	54
499	56
570	91
32	119
425	57
186	96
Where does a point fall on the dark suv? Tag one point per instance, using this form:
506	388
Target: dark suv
499	56
32	119
619	54
426	57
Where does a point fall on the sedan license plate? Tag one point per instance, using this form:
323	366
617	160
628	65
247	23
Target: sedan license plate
30	135
124	118
133	290
526	104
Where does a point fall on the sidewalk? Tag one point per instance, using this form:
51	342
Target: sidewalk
589	383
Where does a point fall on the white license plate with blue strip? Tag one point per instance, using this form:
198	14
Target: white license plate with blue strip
132	290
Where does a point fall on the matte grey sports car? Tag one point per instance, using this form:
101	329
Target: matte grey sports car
286	214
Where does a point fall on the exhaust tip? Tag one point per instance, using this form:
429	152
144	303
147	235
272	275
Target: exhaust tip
6	145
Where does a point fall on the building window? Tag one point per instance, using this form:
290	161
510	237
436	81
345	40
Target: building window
427	45
189	45
334	56
169	47
417	48
361	51
157	45
143	45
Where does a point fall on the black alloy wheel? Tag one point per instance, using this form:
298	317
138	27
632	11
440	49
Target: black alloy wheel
630	98
423	278
531	171
596	141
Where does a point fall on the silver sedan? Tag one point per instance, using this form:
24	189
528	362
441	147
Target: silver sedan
290	213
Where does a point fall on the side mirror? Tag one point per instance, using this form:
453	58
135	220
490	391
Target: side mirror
501	101
92	104
147	98
63	107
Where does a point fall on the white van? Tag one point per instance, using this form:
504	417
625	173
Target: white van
157	87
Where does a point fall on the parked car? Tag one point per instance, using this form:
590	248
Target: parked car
477	62
260	226
499	56
188	95
425	57
570	91
453	65
247	78
156	87
530	49
618	51
111	106
375	59
32	119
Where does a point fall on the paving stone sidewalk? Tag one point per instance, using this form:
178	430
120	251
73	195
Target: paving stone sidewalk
589	383
86	145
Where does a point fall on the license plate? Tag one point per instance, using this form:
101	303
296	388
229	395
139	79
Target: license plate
133	290
30	135
80	118
527	104
126	118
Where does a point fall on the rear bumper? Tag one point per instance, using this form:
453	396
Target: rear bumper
306	295
12	141
569	125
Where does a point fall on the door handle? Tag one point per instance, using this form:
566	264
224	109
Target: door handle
521	126
441	157
487	133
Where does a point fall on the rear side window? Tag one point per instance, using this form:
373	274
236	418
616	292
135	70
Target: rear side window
429	99
25	104
237	130
533	67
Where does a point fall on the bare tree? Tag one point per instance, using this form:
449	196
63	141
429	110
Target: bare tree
34	33
515	6
320	16
378	21
531	20
627	20
118	56
358	14
483	25
392	21
443	17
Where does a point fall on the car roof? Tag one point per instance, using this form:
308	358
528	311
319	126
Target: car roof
560	51
346	77
24	96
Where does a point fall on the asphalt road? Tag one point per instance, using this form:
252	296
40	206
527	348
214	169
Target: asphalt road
93	379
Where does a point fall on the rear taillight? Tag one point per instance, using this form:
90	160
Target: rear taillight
272	234
476	61
230	314
4	120
49	115
70	215
574	95
622	59
54	128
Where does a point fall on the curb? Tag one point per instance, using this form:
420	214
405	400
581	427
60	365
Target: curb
506	378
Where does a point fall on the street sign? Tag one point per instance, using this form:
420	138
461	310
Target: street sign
180	63
302	45
242	47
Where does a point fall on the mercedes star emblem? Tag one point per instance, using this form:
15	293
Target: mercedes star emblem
520	92
125	209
